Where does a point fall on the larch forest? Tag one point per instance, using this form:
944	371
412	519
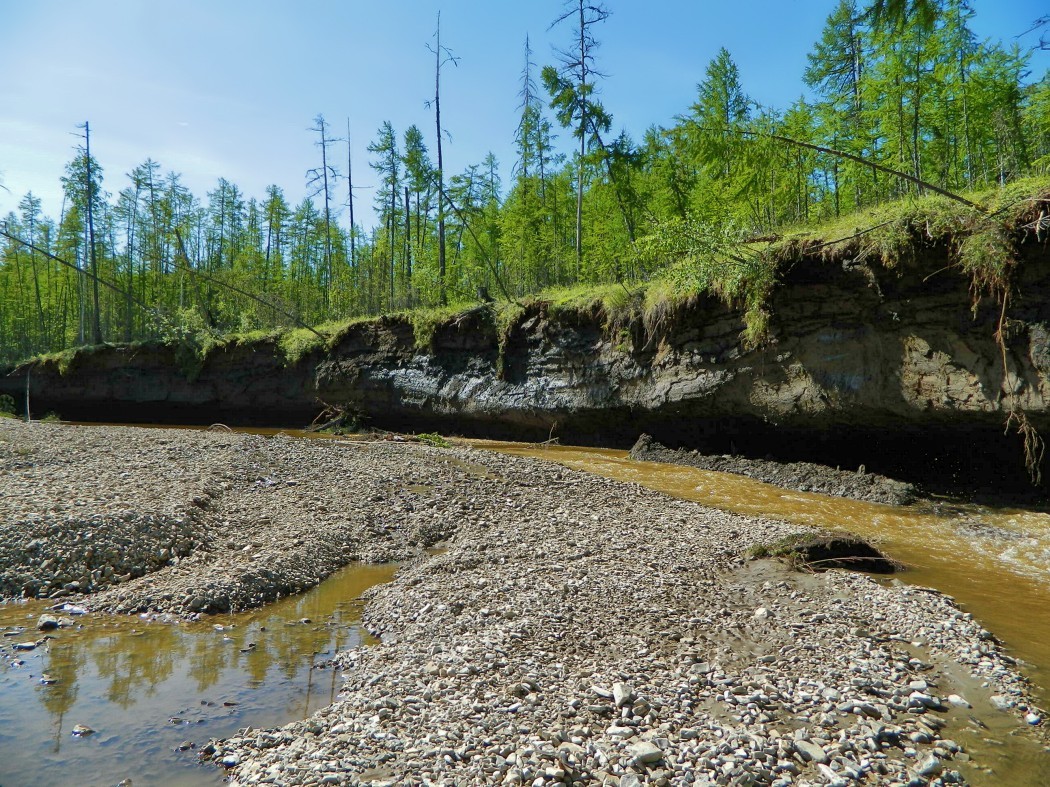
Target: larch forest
897	111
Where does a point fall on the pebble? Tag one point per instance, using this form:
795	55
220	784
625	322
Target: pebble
622	694
644	753
833	779
958	701
929	766
47	623
811	752
1002	702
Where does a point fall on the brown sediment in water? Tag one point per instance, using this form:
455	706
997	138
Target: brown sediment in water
993	562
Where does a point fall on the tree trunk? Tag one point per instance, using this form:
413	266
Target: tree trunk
408	246
97	322
350	195
442	296
583	142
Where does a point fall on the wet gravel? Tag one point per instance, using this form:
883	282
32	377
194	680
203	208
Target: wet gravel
800	476
569	630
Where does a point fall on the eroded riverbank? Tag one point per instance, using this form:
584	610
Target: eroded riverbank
576	629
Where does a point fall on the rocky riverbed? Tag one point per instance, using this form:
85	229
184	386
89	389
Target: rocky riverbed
572	630
155	520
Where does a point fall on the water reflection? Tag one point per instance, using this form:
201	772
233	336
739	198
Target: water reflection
149	687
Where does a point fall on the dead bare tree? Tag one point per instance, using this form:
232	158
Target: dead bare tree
572	86
442	55
350	195
319	181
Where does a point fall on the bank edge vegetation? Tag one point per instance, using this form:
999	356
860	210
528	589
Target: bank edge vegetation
712	203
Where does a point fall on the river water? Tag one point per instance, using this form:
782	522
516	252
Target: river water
994	562
149	687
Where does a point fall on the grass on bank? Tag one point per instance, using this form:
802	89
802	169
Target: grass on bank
896	233
696	261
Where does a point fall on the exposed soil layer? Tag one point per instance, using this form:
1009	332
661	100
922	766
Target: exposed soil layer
825	551
801	476
893	368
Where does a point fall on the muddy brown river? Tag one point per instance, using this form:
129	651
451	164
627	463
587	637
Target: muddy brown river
149	688
994	562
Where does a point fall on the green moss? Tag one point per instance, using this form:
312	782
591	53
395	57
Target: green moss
505	316
988	255
294	343
893	233
426	321
63	360
613	301
433	439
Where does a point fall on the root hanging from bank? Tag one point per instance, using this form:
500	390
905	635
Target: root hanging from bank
1034	445
999	285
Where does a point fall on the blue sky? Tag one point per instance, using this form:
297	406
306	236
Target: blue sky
228	88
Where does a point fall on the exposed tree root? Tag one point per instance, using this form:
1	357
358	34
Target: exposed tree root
1034	445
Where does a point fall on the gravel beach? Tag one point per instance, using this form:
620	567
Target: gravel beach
568	630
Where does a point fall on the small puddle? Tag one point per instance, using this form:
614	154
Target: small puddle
148	688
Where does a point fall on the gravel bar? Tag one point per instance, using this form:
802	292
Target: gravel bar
571	630
801	476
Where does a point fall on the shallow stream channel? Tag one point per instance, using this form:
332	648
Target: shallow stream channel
153	691
995	562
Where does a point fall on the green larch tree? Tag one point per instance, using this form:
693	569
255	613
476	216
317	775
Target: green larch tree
387	165
571	86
